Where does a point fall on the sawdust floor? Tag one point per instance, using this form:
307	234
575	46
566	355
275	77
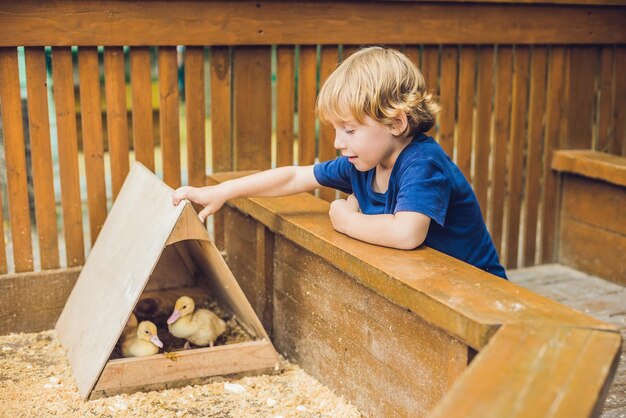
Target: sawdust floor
36	381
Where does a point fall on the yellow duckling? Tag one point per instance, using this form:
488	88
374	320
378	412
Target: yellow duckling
201	327
141	340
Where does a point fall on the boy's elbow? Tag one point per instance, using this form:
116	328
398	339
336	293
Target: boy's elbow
409	241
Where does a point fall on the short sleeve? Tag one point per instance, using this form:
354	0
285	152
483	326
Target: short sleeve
334	173
424	188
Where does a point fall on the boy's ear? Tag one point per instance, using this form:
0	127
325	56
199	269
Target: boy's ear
399	125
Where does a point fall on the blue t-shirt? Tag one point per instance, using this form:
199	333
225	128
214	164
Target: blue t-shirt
425	180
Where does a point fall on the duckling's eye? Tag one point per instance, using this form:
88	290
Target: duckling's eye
146	331
185	306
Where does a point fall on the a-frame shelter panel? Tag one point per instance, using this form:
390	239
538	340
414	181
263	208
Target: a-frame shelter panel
115	273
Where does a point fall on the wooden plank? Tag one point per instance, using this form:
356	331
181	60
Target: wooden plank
551	182
265	275
91	122
502	126
117	124
581	96
467	75
316	302
194	110
75	22
3	252
430	71
221	119
141	85
593	250
67	137
413	53
516	152
607	99
327	151
221	124
447	90
483	125
169	115
32	302
307	83
13	132
597	165
619	108
252	107
596	203
534	154
39	128
560	372
438	288
285	104
126	373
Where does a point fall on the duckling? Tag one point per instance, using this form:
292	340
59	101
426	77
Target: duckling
141	341
201	327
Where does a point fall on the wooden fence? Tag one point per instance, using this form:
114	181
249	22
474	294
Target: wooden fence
516	81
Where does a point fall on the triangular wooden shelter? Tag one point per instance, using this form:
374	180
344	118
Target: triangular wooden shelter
145	239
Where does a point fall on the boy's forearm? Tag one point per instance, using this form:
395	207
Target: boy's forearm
280	181
382	230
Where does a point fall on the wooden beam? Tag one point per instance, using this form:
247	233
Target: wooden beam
598	165
75	22
443	290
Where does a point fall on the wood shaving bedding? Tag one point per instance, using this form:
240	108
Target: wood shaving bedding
36	381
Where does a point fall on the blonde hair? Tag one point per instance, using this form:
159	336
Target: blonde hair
380	83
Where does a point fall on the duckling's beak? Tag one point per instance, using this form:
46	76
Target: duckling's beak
155	340
174	317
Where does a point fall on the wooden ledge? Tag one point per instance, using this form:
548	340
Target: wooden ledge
598	165
461	299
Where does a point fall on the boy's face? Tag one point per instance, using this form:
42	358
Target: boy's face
366	145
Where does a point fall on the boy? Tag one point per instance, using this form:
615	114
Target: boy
404	190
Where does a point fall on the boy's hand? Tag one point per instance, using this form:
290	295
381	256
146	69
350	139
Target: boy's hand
340	211
209	197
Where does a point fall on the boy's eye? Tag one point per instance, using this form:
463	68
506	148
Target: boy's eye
349	131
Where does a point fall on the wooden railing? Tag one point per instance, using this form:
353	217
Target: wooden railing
516	81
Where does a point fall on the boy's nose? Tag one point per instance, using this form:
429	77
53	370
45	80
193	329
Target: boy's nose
339	144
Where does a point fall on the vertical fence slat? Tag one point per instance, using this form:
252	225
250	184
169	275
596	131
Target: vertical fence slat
430	70
306	104
169	116
581	97
39	128
328	62
117	123
221	119
605	106
67	137
93	146
536	112
15	154
141	86
285	104
3	249
349	50
554	107
619	120
516	152
502	125
449	57
194	110
253	101
483	126
413	53
221	126
467	72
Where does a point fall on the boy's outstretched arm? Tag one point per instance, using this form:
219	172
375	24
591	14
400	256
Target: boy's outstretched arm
280	181
402	230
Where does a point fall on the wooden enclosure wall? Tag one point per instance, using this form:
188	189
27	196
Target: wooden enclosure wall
509	98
